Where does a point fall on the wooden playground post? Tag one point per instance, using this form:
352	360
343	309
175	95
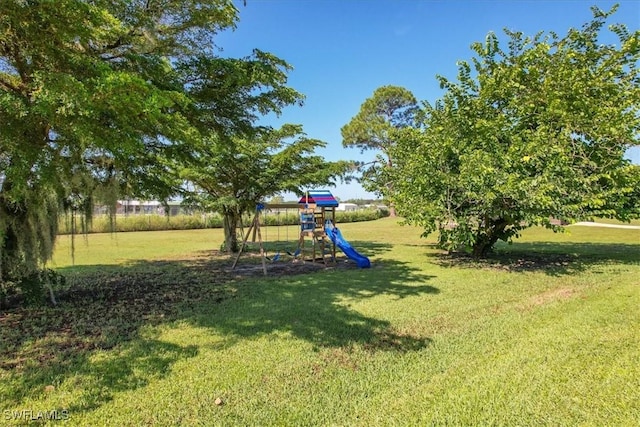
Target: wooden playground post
312	224
255	227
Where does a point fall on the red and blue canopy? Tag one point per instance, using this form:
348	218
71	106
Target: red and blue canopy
322	198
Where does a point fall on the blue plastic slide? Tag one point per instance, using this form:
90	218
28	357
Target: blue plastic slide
336	237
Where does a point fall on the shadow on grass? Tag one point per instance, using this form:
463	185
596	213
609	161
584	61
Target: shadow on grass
98	376
110	307
282	247
317	307
133	366
104	308
552	258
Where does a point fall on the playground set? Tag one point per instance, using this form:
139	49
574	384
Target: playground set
318	237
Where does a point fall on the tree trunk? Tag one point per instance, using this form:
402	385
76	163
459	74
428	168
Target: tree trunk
230	222
481	248
392	207
485	241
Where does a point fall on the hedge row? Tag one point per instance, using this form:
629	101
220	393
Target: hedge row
103	224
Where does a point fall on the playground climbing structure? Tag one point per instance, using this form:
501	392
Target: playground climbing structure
318	235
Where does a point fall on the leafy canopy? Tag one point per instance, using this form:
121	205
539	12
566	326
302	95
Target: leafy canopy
531	131
390	108
106	99
244	171
233	175
237	164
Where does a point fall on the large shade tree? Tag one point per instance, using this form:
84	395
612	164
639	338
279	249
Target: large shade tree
389	108
238	163
535	129
232	175
102	99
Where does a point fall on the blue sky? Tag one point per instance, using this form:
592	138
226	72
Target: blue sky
342	50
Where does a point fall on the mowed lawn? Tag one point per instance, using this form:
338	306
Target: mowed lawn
152	329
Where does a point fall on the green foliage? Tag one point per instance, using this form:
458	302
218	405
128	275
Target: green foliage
232	175
231	94
390	108
33	288
273	219
530	133
106	224
100	100
28	236
238	164
361	215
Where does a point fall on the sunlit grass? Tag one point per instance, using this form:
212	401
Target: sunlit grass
116	248
545	332
615	221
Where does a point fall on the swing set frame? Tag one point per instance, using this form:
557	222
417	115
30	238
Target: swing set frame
314	229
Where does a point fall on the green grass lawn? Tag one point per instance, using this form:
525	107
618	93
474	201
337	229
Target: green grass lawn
152	328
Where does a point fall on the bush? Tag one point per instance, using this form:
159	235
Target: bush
274	218
361	215
103	224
